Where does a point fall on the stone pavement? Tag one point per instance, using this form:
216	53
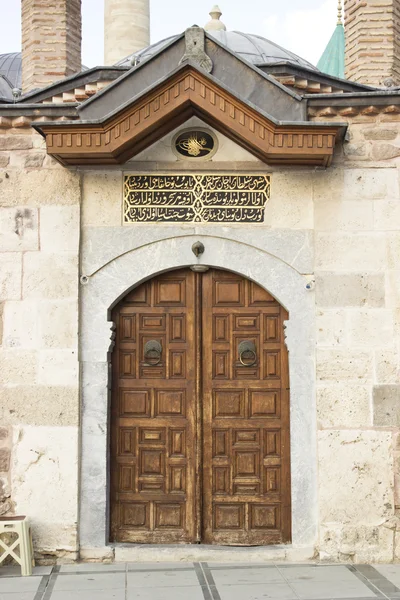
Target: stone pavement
202	581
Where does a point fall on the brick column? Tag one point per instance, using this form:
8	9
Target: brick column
373	41
126	28
51	41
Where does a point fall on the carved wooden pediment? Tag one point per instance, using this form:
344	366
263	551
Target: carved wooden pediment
186	93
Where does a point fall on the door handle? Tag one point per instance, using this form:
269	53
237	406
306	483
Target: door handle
153	352
247	351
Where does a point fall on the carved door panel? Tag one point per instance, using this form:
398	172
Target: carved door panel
153	413
200	413
246	490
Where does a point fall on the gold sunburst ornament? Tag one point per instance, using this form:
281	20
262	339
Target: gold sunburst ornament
192	144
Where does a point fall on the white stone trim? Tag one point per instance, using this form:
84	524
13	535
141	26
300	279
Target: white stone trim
103	291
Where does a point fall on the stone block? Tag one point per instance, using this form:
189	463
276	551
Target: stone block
344	216
291	203
58	324
58	367
355	151
385	151
4	460
386	403
370	327
360	544
39	187
393	250
100	245
344	406
45	483
59	228
18	367
344	365
50	276
97	555
392	287
102	199
387	215
387	366
355	184
39	405
331	327
380	133
19	229
10	276
4	159
20	324
349	289
34	160
355	477
16	142
350	252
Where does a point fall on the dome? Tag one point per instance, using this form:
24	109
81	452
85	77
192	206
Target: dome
253	48
10	73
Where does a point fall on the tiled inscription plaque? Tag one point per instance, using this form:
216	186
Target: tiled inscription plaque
195	198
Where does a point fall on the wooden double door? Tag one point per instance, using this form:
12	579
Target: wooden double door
200	413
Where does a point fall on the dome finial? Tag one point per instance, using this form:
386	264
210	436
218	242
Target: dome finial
339	13
215	24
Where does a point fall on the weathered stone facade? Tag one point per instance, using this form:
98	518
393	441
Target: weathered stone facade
339	227
328	251
39	395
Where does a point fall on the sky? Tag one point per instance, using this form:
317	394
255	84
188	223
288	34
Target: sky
304	27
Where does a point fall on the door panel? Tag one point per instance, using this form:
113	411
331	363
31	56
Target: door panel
246	490
200	438
153	414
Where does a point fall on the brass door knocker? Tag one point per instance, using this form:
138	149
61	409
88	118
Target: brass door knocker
153	352
247	350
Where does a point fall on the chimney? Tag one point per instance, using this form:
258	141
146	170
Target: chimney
126	28
51	41
372	29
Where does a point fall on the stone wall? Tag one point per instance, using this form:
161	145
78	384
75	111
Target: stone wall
339	227
39	390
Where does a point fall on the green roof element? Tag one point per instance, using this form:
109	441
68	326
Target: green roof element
332	60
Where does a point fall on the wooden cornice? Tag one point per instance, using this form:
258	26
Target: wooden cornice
188	92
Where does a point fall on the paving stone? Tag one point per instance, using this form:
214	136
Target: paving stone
256	592
81	582
18	586
318	573
160	566
18	596
15	571
163	579
331	590
92	567
247	576
87	595
390	572
163	593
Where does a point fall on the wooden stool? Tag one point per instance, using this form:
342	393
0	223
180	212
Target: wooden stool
19	526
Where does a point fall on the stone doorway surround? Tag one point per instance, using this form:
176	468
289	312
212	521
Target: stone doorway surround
101	292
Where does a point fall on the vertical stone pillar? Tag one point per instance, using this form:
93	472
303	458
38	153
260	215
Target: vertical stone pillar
51	41
126	28
372	30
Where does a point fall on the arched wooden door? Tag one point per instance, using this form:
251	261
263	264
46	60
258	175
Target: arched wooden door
200	413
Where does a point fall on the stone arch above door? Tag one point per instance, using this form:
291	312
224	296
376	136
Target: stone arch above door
104	289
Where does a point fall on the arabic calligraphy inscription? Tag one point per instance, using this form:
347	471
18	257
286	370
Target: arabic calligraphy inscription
196	198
